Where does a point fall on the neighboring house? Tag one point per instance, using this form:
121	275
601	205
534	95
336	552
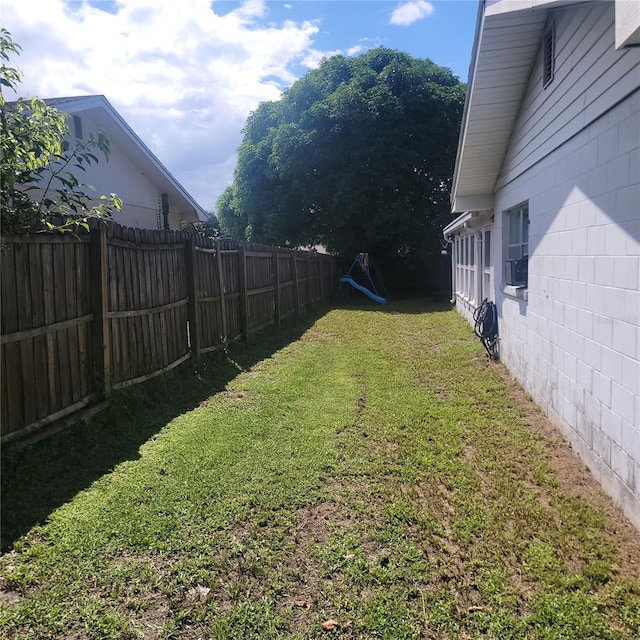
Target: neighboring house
152	197
547	185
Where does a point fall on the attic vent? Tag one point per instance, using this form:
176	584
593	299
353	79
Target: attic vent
77	127
548	54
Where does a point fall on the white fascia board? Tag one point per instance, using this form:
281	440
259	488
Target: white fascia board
501	7
481	202
152	158
490	13
79	104
467	100
458	223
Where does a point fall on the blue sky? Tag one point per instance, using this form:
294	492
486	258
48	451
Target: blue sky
186	73
442	31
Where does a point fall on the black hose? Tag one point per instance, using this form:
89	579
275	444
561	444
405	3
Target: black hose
486	327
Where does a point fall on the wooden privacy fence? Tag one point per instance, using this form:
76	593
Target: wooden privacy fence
83	315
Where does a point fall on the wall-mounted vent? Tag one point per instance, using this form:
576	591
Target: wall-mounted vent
548	54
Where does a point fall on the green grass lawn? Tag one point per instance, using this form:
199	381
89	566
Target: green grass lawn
367	475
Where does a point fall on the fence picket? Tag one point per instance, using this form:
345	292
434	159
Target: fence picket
221	291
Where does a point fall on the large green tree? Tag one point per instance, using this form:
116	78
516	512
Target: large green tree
358	155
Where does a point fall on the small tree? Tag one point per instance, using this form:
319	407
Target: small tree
209	228
39	190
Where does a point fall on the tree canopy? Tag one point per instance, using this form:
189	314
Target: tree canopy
358	155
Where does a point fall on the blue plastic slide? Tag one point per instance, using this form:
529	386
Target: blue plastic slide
359	287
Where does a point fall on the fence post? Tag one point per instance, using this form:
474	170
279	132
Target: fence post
276	285
223	308
244	316
296	291
332	278
309	296
192	306
101	346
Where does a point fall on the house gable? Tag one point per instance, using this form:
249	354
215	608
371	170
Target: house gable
132	171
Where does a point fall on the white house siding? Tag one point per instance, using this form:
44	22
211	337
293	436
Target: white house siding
575	157
141	198
591	76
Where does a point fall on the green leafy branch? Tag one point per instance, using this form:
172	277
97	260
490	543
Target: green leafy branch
39	188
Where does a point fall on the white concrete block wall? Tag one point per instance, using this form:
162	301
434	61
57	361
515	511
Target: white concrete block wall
575	343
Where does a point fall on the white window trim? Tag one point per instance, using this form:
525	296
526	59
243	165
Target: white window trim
515	290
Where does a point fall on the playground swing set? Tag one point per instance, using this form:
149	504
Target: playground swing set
360	269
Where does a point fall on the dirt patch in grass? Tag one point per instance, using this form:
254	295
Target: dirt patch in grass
153	617
313	524
8	597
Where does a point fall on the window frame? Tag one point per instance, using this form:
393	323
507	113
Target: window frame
516	246
77	127
466	266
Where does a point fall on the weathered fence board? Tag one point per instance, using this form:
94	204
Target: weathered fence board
45	318
116	306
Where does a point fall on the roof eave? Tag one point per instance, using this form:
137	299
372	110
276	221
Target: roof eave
456	224
467	100
505	30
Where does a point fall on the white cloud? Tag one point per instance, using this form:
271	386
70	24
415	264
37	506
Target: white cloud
409	12
355	50
183	76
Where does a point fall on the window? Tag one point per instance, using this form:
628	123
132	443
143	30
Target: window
517	254
548	54
466	266
77	127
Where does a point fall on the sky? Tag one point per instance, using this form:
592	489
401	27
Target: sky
185	74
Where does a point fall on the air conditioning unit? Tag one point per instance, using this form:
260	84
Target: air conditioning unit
517	271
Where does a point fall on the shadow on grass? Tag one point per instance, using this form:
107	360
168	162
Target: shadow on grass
41	476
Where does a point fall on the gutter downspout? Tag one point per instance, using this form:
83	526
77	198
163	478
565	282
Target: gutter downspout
479	263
